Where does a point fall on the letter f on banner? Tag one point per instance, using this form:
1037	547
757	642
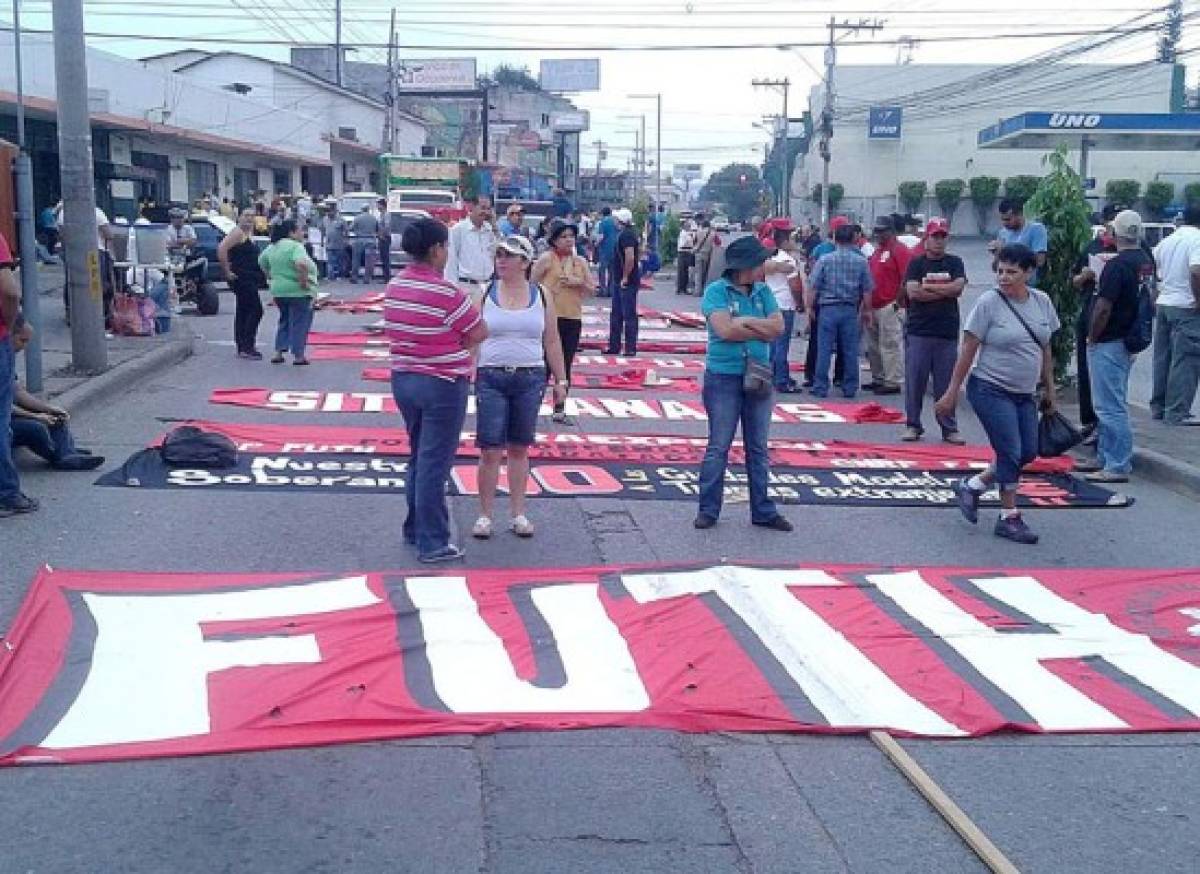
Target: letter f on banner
150	661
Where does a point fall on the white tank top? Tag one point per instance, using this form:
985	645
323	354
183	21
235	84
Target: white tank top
514	336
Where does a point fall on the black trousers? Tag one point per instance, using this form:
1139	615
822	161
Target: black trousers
1087	413
569	331
683	271
810	355
247	315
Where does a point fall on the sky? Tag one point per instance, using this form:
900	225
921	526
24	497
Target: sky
709	103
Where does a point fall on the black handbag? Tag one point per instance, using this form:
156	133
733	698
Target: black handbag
1056	434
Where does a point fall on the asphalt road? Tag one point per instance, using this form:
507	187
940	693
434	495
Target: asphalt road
583	801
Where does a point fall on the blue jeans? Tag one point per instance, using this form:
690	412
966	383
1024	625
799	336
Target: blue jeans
1108	368
1011	423
726	403
507	405
52	444
837	327
780	348
604	268
333	256
433	411
10	483
623	320
363	257
295	318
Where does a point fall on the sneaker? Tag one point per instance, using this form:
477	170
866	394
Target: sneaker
1106	476
866	386
18	504
776	523
482	529
300	362
1089	466
968	501
954	438
449	552
789	388
1091	435
521	526
704	521
277	358
79	461
559	417
886	389
1014	528
911	434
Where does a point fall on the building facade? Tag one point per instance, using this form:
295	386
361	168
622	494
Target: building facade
942	110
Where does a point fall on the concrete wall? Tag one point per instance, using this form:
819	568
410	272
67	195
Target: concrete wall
939	130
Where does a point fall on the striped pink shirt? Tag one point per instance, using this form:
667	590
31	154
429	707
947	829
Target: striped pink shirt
426	318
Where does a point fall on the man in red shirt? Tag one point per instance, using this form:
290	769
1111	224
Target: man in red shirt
11	499
884	330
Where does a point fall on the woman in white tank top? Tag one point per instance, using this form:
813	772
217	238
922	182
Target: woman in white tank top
510	380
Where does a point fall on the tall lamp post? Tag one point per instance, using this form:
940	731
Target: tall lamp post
658	167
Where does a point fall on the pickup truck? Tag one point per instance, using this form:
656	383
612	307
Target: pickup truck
441	203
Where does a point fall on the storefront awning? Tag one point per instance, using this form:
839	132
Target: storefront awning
1110	131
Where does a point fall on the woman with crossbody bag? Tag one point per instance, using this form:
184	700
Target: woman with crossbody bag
743	319
1007	340
510	380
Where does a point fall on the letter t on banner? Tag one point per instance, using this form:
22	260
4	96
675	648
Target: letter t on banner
1013	661
840	681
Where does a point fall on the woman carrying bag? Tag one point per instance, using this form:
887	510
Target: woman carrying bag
292	277
239	259
568	279
510	380
1007	340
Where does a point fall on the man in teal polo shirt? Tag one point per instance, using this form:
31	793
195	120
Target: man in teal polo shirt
743	319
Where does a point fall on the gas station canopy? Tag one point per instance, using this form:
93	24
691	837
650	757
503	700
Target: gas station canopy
1110	131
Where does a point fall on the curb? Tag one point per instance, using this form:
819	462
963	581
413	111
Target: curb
125	375
1160	468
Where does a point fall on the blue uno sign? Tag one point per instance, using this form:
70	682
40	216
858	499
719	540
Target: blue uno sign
884	122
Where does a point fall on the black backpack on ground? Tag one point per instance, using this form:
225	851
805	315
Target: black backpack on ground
189	446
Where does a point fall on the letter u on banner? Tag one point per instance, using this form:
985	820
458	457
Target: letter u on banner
472	673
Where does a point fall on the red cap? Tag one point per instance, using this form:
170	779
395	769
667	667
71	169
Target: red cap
937	226
838	221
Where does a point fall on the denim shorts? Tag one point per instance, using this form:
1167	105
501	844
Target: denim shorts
507	403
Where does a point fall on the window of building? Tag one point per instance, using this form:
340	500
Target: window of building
282	181
201	179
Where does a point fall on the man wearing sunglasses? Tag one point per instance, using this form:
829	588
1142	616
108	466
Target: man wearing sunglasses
513	223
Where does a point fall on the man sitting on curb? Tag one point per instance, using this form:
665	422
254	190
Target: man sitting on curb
41	427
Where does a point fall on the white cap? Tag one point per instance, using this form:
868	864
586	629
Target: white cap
1127	225
624	216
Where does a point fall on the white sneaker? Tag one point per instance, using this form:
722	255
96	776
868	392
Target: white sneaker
482	529
522	527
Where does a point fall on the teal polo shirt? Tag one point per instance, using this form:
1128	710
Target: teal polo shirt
729	356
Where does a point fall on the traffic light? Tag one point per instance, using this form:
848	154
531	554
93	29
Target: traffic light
741	179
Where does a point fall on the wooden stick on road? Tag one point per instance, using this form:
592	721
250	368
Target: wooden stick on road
974	837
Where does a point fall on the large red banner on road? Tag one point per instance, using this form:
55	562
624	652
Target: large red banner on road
110	665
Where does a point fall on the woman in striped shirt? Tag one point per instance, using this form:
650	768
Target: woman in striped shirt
432	326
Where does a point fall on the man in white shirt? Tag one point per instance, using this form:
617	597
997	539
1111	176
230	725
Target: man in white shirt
786	282
472	247
1177	323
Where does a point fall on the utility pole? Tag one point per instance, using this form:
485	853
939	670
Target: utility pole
393	89
827	113
1168	44
783	201
337	41
30	301
82	259
658	166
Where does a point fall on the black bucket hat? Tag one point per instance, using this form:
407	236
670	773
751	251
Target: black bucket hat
746	253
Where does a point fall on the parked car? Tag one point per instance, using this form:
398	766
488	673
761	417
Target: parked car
398	220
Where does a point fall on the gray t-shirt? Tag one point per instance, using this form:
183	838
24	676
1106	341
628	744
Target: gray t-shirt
365	225
1008	356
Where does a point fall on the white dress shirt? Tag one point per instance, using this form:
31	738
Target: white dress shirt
472	252
1177	256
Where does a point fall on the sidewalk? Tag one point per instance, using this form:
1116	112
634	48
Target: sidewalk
129	358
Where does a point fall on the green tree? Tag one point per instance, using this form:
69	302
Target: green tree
1021	187
641	210
1060	204
1191	192
837	191
984	191
1122	191
738	188
510	76
668	247
912	194
774	173
948	193
1158	197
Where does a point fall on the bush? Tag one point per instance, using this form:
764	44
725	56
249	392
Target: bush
1158	197
836	193
984	191
948	193
1191	192
1060	204
1122	191
1021	187
912	194
668	245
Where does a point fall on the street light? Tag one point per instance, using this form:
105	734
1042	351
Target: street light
641	160
658	168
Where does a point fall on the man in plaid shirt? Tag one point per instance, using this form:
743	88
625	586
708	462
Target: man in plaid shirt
840	288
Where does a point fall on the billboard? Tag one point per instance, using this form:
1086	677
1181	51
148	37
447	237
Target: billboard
437	74
687	172
572	74
884	123
569	122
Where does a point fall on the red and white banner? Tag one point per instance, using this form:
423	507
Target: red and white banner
108	665
339	338
823	413
622	380
649	448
